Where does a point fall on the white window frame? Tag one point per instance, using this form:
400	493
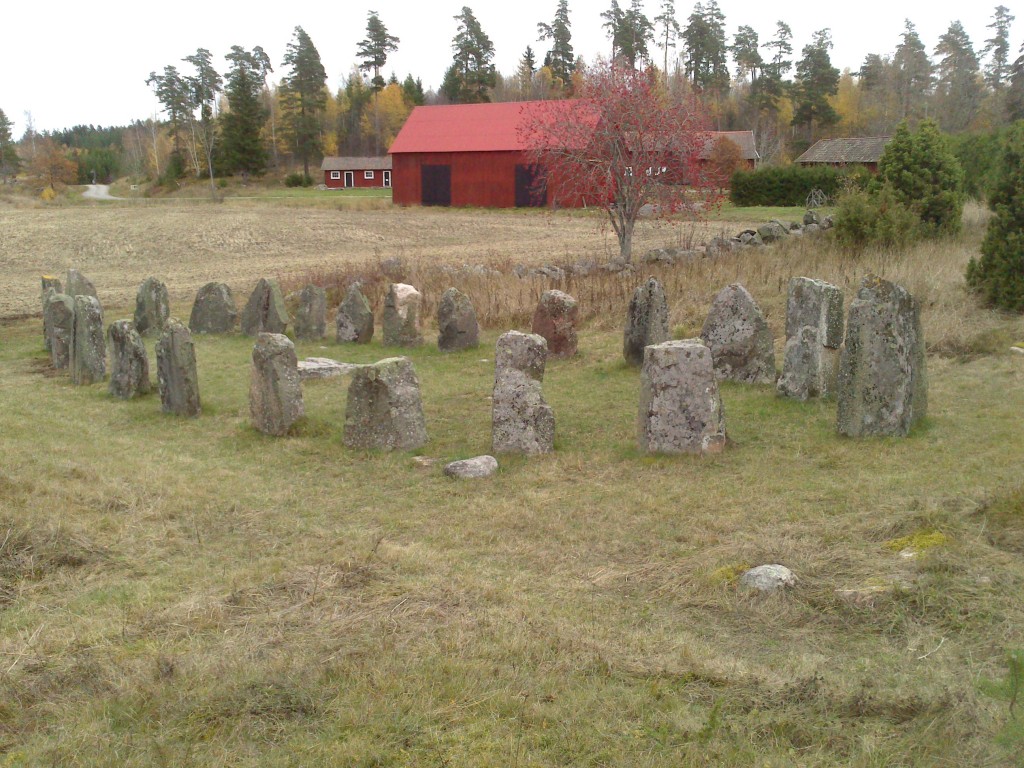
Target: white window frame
368	175
335	175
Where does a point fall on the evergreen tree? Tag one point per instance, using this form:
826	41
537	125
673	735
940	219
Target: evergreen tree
613	21
999	275
172	93
772	86
913	73
746	53
670	30
375	47
923	173
630	32
242	124
958	84
471	74
203	88
1015	92
413	91
524	73
9	162
706	50
998	46
560	58
816	81
304	96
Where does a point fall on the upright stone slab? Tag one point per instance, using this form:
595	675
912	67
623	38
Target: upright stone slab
647	321
311	315
354	321
521	420
402	316
680	408
457	327
88	349
152	307
384	409
275	390
60	319
214	310
555	320
883	386
176	371
814	333
129	363
265	311
50	287
740	341
77	284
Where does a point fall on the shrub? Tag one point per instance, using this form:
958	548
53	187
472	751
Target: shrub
978	154
298	180
877	218
784	186
999	275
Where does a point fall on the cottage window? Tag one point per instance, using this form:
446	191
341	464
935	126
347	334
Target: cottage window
367	174
335	174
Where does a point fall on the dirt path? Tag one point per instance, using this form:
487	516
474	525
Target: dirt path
98	192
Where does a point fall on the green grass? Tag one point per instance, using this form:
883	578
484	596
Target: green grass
730	212
191	592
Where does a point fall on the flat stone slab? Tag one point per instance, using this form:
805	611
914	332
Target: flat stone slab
477	467
324	368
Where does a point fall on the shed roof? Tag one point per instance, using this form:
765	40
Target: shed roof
742	139
863	149
356	164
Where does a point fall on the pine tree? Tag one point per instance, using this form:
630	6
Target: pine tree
913	73
242	124
630	32
375	47
524	73
560	58
9	161
746	53
1015	92
613	20
958	84
670	30
772	86
816	81
172	93
471	74
998	46
413	91
999	275
203	87
706	51
304	96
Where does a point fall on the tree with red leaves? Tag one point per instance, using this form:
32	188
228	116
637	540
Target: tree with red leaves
622	146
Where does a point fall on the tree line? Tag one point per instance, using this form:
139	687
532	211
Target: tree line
241	122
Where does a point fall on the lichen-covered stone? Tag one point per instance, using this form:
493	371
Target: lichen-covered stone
817	304
883	386
310	322
265	311
768	578
50	287
214	310
457	327
401	321
555	320
469	469
60	321
647	321
129	363
176	371
680	407
385	408
809	370
354	321
275	389
77	284
152	307
738	336
88	348
521	420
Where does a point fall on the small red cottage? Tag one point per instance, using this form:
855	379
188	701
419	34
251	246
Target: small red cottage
475	155
356	172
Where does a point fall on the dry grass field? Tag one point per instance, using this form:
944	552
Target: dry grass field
190	592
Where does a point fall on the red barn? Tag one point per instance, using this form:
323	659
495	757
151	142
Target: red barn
356	172
475	155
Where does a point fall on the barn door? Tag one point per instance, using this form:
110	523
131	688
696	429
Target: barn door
530	194
437	184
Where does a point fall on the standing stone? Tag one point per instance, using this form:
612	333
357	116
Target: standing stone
152	307
214	310
680	408
77	284
265	311
883	386
814	333
50	283
457	327
521	421
311	316
354	321
740	341
402	316
275	391
176	371
60	319
384	409
88	350
129	363
555	320
647	321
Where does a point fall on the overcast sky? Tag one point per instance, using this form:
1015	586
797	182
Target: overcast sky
71	63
